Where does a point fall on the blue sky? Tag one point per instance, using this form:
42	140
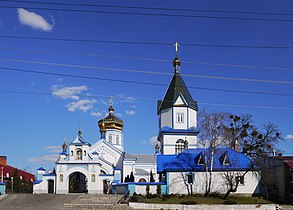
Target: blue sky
38	111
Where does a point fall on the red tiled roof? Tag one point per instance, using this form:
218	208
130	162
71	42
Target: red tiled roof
290	164
25	175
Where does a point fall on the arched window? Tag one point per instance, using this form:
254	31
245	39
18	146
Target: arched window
71	153
102	172
110	138
78	154
84	153
179	146
93	177
142	180
61	178
117	139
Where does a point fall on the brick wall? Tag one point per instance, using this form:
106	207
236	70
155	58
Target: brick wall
3	160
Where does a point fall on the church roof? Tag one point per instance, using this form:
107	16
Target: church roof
176	88
188	160
141	158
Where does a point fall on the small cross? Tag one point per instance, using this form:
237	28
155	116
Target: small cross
177	45
111	101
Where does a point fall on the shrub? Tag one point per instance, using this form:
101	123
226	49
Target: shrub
134	194
159	190
147	189
190	202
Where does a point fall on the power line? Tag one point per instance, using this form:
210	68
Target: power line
136	82
148	99
151	8
154	14
151	72
146	43
148	59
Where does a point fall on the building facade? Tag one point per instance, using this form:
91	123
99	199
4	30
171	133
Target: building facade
105	167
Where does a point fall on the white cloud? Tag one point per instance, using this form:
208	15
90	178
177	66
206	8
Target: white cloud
33	20
143	142
153	140
133	107
96	114
289	136
83	105
51	157
68	92
124	99
119	114
130	112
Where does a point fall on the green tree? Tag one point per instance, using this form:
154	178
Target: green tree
152	176
159	190
131	178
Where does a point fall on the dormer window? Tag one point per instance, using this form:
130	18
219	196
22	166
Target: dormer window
224	159
199	159
180	117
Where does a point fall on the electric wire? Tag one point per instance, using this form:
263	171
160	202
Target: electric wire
137	82
146	59
284	82
148	99
146	43
151	14
150	8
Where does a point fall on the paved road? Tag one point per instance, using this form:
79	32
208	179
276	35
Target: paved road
32	201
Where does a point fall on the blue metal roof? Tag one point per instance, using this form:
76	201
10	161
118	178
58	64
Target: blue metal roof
38	182
41	169
188	160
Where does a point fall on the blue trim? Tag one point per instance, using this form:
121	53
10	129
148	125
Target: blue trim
37	182
106	175
63	153
41	169
49	175
2	183
167	183
141	183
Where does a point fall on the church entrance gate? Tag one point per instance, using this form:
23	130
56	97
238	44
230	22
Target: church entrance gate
77	183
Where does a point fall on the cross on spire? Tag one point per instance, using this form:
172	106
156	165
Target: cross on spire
111	101
176	45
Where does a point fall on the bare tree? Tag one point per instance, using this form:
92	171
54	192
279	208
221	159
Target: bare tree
211	136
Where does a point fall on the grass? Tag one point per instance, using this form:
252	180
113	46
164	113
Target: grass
180	199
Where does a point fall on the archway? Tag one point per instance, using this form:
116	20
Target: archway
50	186
77	183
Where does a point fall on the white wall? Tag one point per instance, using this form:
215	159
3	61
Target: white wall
177	184
166	118
169	141
183	110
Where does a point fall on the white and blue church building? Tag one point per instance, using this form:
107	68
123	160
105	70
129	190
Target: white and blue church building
104	167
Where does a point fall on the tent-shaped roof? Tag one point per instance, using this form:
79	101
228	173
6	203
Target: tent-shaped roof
176	88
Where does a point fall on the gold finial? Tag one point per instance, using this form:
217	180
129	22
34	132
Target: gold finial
176	61
64	146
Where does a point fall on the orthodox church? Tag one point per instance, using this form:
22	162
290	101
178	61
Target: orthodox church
105	167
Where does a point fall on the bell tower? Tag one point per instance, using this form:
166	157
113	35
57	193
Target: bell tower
177	115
